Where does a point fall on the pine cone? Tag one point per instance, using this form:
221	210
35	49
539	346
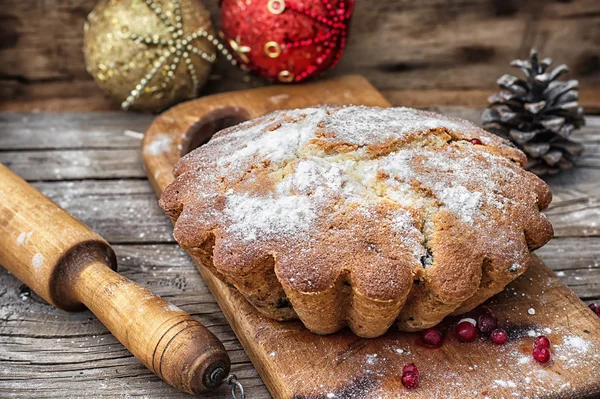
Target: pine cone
538	114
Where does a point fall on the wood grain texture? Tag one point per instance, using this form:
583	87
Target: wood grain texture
35	131
454	51
51	353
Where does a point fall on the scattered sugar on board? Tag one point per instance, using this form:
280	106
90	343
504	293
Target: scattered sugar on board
576	343
402	351
506	384
279	98
133	134
371	359
159	144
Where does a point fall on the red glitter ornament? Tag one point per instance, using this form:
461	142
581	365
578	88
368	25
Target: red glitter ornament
286	40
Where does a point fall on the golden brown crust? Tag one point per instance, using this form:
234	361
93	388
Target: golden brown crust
359	216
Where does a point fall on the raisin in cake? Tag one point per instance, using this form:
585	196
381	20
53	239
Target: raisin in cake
359	216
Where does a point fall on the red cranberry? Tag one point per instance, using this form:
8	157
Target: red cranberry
499	336
432	337
541	342
410	380
487	323
541	354
595	308
475	141
410	368
466	331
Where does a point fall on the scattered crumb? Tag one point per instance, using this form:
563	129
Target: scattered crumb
279	98
401	351
132	134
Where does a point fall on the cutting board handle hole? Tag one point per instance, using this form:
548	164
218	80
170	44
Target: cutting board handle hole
201	132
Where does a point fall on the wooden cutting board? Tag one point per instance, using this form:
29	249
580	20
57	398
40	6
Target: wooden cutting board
294	363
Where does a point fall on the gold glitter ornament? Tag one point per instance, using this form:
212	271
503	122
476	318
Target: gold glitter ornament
149	54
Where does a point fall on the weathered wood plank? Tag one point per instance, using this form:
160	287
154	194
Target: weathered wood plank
576	261
28	131
571	253
75	164
415	98
119	210
398	45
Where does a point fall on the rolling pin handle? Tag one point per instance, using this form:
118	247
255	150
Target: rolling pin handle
166	339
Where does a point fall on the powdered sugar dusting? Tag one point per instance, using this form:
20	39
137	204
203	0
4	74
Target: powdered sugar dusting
576	343
276	144
252	217
506	384
364	125
172	308
24	237
38	260
159	144
461	201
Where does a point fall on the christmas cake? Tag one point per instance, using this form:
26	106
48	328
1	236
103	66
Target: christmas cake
359	216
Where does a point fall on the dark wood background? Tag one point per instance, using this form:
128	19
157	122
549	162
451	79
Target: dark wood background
417	52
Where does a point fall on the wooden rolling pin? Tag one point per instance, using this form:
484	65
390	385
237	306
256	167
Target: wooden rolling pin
72	267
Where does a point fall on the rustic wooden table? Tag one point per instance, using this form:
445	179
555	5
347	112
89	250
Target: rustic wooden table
89	165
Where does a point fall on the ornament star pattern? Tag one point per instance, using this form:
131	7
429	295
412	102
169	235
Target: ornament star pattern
241	50
175	48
